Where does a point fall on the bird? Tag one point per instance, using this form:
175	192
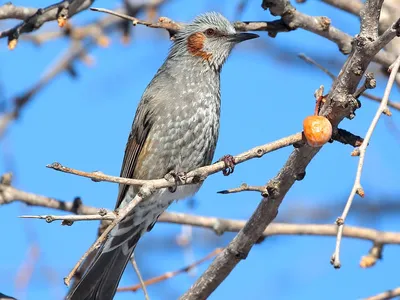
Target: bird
175	130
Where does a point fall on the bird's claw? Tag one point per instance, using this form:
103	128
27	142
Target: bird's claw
229	162
176	177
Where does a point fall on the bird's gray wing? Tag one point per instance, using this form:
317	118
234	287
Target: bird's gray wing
137	139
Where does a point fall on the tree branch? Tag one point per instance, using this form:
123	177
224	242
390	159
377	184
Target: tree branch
357	188
386	295
220	226
33	21
9	11
172	27
168	275
192	177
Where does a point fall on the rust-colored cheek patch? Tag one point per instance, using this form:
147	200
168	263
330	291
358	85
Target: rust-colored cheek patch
195	45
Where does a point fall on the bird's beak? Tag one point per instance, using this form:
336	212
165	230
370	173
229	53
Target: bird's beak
243	36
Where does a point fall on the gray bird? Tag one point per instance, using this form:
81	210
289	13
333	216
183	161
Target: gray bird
175	130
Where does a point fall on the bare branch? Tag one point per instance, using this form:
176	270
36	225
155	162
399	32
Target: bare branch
170	274
220	226
165	23
64	9
193	176
172	27
9	11
369	15
321	26
357	188
109	215
386	295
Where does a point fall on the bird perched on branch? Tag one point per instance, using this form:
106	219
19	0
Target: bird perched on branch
175	130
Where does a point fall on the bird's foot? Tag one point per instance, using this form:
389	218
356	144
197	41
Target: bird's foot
229	162
176	177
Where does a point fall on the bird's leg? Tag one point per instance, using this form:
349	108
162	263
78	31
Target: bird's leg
176	177
229	162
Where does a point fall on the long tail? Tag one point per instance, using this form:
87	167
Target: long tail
102	277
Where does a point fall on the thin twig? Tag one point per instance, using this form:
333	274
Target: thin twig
319	66
72	218
245	187
164	22
137	271
357	188
170	274
386	295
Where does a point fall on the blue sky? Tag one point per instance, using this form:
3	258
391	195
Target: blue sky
266	93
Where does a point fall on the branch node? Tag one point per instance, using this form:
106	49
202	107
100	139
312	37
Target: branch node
219	228
12	43
324	22
265	193
49	219
102	212
260	152
66	222
238	254
62	16
300	176
335	262
97	173
6	179
356	152
339	221
374	254
369	83
387	112
360	192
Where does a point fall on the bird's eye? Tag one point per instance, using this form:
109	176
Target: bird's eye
210	32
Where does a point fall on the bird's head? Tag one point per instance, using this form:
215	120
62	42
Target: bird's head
210	37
